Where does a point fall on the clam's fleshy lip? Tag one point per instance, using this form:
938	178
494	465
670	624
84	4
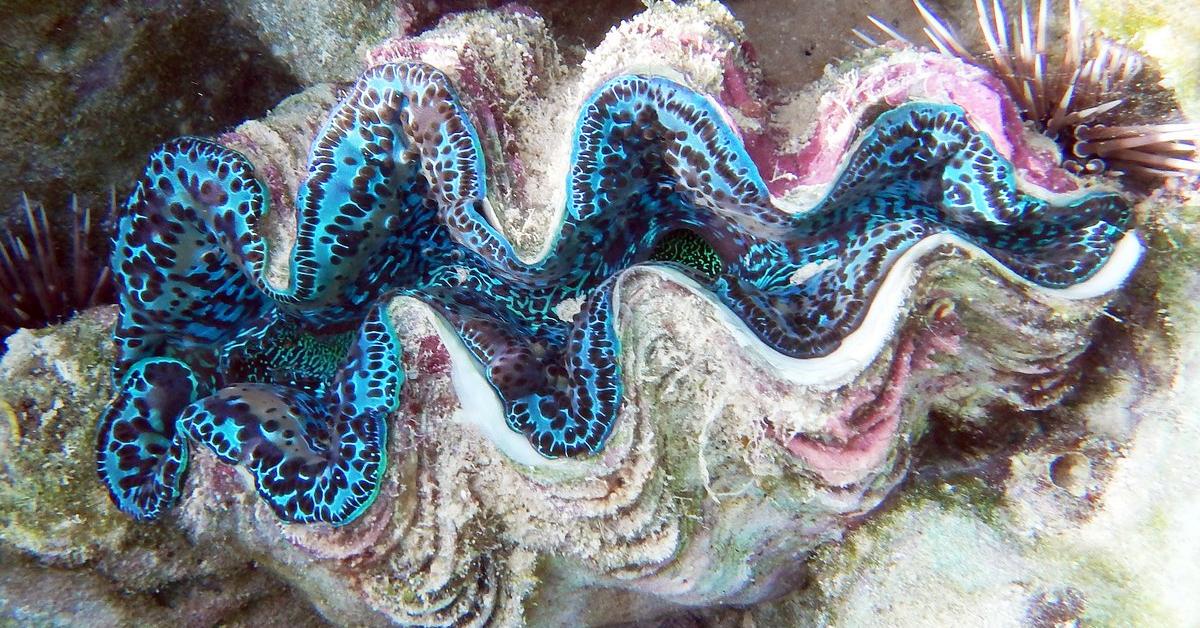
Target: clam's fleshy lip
481	406
860	348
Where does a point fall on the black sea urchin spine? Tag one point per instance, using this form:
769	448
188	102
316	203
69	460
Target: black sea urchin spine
45	275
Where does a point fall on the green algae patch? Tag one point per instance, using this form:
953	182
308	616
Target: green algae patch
969	494
1175	232
1155	27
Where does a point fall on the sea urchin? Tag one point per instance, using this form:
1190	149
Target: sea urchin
45	276
1081	100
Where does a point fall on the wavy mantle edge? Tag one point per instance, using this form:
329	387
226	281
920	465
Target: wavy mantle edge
854	353
482	408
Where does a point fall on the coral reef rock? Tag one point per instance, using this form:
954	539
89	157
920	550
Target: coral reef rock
1008	426
91	86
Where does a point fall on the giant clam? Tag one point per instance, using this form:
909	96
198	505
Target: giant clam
716	356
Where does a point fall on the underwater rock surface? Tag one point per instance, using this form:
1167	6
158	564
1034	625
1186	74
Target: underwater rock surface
722	474
89	87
